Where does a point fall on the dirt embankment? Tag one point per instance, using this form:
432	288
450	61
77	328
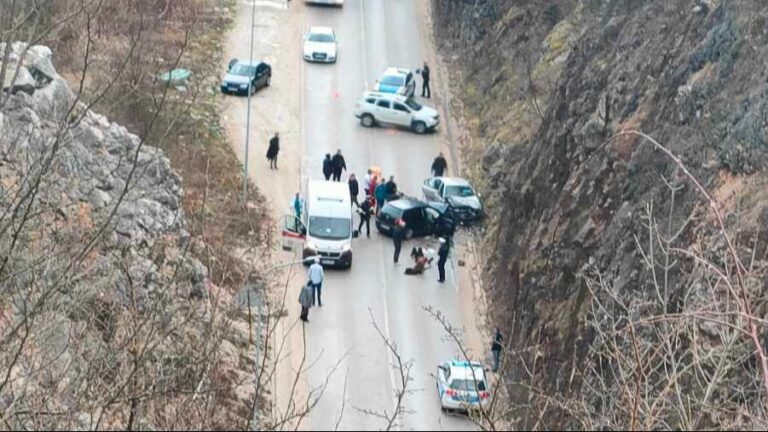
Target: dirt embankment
627	272
135	323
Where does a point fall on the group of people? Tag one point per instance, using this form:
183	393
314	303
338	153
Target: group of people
333	166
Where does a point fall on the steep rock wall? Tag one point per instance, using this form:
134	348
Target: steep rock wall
547	89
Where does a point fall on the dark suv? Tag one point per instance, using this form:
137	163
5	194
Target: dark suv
421	218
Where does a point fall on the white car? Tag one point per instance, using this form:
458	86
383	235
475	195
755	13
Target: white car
457	193
462	385
326	2
398	81
377	107
320	45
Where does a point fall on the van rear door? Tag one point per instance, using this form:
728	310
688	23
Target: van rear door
294	233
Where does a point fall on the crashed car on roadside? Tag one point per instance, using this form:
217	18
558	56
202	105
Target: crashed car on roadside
457	193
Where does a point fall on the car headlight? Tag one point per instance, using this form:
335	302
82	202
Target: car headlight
310	245
243	85
347	247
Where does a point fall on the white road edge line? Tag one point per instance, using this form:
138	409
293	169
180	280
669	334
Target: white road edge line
390	356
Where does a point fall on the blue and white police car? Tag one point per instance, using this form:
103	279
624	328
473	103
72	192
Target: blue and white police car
462	385
398	81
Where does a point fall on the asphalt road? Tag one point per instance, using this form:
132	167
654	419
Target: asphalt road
374	34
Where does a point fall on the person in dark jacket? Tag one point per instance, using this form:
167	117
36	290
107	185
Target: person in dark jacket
439	165
391	188
305	300
425	82
496	347
398	234
338	164
273	150
365	216
354	188
380	194
327	164
445	249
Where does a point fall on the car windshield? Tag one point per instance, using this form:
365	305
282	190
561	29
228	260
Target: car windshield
413	105
243	70
392	80
329	228
468	385
459	191
320	37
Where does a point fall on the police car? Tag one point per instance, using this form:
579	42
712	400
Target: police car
399	81
462	385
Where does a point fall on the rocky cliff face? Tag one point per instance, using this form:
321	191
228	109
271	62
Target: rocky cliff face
97	289
606	260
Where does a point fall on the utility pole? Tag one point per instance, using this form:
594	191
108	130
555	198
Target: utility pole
248	115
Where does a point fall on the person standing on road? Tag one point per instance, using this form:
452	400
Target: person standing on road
367	182
439	165
381	195
443	252
425	82
338	164
398	233
273	150
365	216
316	277
354	189
327	166
297	205
305	300
391	189
496	346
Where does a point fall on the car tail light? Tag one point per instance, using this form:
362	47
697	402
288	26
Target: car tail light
451	392
485	395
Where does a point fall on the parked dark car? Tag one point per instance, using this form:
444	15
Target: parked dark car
421	218
243	76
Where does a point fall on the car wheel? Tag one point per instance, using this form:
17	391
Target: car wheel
419	127
367	120
408	234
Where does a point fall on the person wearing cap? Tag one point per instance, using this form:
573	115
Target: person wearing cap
316	277
398	232
445	249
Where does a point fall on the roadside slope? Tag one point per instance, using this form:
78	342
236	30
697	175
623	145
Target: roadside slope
576	212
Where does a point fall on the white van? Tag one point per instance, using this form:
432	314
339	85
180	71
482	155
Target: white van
325	227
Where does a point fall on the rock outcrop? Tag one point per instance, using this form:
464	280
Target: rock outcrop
578	204
86	175
97	285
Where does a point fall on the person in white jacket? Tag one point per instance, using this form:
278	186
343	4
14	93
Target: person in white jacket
316	279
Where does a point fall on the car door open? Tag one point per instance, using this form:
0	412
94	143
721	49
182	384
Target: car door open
294	233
